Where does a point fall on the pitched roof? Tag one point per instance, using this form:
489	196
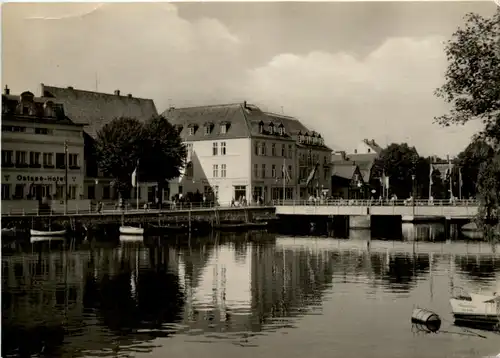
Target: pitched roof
96	109
244	121
344	170
373	145
363	161
230	114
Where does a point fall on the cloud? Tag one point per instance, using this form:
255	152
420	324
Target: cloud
151	51
387	96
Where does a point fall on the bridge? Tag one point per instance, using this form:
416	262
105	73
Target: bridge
360	211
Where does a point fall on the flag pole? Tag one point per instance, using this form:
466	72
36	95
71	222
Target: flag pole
284	178
137	185
430	177
460	183
451	177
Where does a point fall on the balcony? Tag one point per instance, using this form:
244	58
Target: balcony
8	165
36	165
22	165
49	166
74	167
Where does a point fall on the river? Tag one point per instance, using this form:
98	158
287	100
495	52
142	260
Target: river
242	295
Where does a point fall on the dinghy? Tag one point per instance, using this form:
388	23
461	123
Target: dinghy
45	238
475	308
131	230
472	231
40	233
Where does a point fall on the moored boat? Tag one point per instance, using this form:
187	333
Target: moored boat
11	231
45	238
475	308
41	233
129	238
240	226
131	230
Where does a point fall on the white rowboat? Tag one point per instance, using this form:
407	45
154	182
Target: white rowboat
475	308
131	238
45	238
47	233
131	230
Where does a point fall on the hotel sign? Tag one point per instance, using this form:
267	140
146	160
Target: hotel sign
37	178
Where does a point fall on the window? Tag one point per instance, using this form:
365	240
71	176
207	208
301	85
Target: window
91	192
72	192
73	160
17	129
325	173
290	172
262	150
48	159
26	110
19	191
240	192
7	157
271	128
34	159
60	160
189	170
256	148
223	170
290	151
5	191
215	148
191	130
369	150
256	170
223	128
273	171
283	148
60	191
21	158
261	127
207	129
273	150
41	131
222	148
282	130
215	170
263	171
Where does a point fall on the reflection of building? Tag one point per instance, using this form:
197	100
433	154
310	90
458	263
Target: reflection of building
94	110
236	151
34	133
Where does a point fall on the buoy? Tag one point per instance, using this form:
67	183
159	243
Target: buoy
427	318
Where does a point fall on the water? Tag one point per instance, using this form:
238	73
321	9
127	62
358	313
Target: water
245	295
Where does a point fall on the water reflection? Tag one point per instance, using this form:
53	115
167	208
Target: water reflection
118	299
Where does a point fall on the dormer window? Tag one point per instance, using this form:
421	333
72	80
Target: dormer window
223	128
208	128
191	129
261	127
282	129
271	128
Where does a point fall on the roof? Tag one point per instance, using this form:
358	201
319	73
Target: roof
373	145
96	109
363	161
344	170
243	121
39	109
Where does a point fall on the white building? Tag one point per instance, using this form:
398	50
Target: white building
34	133
237	150
367	146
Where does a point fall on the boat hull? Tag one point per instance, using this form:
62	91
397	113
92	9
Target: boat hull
240	226
130	230
46	238
474	308
39	233
130	238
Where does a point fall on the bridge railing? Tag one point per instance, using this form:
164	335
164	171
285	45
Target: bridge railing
364	202
110	208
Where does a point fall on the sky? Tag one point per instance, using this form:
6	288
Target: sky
349	70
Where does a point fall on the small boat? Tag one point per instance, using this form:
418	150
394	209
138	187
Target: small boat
166	228
130	238
131	230
475	308
472	231
45	238
40	233
9	231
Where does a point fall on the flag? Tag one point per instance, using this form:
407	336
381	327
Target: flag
312	174
386	182
134	176
431	171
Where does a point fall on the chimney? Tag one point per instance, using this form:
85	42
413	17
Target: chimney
69	87
6	90
244	104
129	95
117	92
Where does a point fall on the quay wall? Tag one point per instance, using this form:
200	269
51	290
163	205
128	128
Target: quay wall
92	220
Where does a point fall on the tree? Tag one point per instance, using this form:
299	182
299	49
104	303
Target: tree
489	194
118	146
399	162
472	79
164	154
470	161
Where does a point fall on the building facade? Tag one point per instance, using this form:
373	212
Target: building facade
237	152
93	110
38	141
